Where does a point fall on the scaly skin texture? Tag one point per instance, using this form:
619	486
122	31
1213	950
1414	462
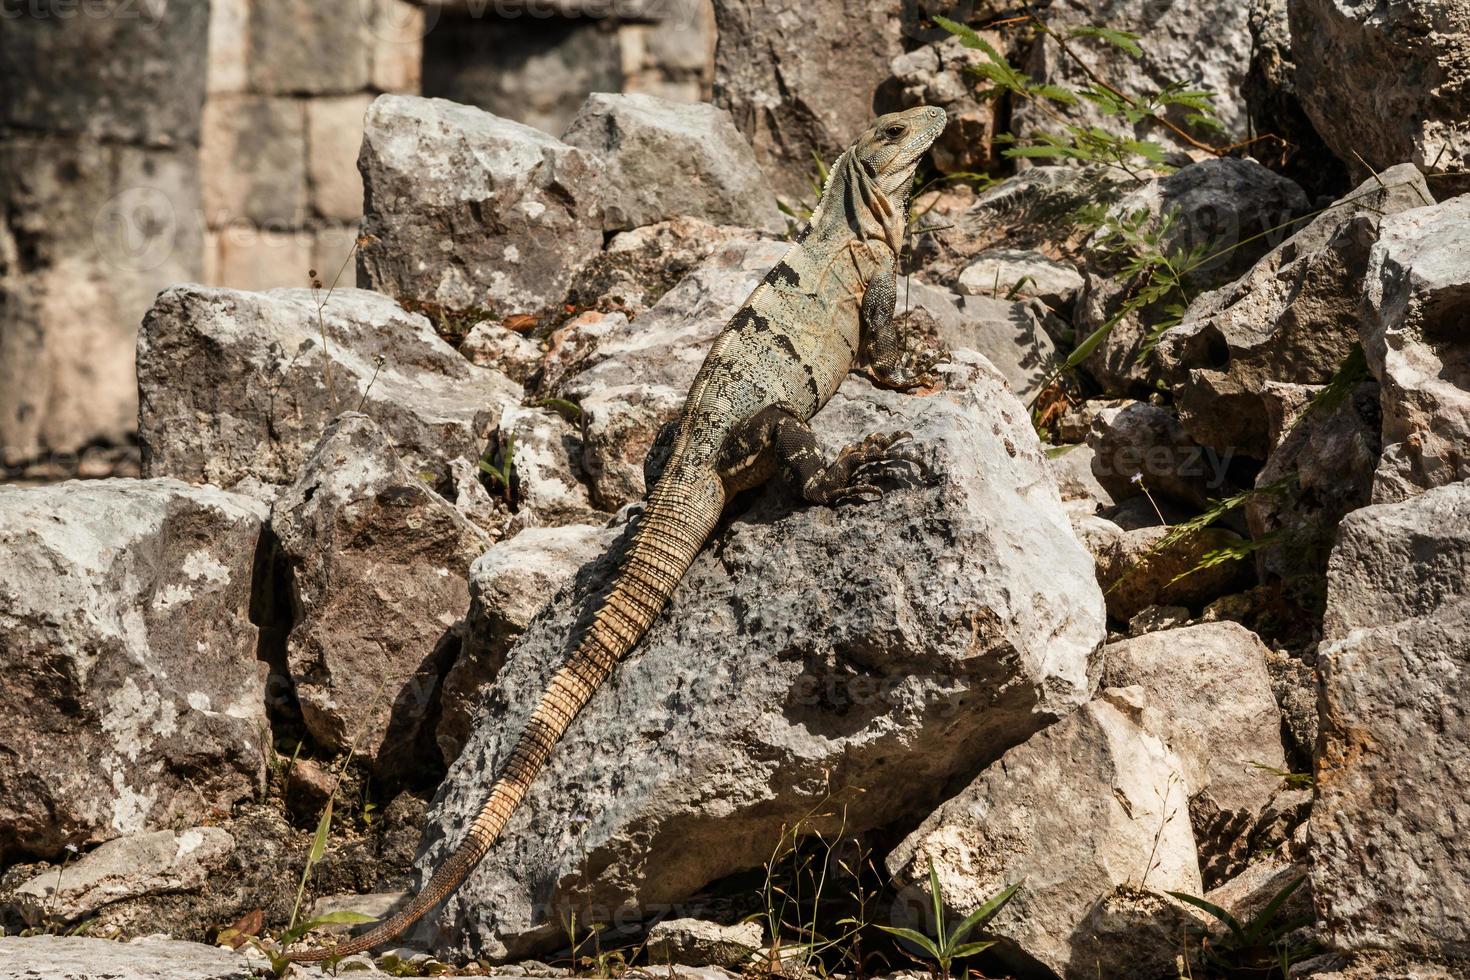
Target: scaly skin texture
826	307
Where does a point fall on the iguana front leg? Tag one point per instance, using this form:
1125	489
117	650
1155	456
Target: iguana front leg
891	360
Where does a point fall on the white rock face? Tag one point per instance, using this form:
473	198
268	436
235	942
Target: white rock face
1213	694
128	867
1414	336
237	384
378	565
1008	272
84	958
470	211
1390	863
639	137
1094	802
792	663
134	699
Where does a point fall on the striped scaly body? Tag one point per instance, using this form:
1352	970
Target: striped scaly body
823	309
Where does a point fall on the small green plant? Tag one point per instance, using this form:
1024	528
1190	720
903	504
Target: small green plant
564	407
948	945
501	473
1293	780
1088	144
1261	947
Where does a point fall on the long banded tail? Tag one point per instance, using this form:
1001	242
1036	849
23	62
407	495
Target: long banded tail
680	516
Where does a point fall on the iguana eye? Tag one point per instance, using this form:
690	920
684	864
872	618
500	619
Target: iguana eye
893	132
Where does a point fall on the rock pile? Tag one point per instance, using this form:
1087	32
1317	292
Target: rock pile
1174	605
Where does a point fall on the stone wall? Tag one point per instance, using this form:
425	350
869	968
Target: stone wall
535	62
99	180
287	86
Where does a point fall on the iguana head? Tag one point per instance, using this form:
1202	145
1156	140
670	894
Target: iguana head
889	150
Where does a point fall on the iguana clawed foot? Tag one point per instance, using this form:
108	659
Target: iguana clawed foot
914	370
841	480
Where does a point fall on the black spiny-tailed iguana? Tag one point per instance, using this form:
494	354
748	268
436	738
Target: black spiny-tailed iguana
776	363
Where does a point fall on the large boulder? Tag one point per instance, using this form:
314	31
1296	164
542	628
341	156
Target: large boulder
1142	448
889	648
638	137
468	211
1016	336
1415	338
1205	45
1385	83
1390	867
1293	318
377	566
237	384
128	654
774	71
1224	214
1210	685
1095	802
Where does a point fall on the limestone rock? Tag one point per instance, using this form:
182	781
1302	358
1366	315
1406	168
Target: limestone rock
1071	467
789	103
85	958
636	378
509	585
235	385
377	567
1143	447
638	138
1292	318
1016	337
694	942
1036	210
491	345
471	211
135	700
1389	861
124	868
1139	567
937	74
1209	683
637	267
1414	338
1205	45
1226	207
1407	95
547	475
1012	272
788	665
1321	470
1091	803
